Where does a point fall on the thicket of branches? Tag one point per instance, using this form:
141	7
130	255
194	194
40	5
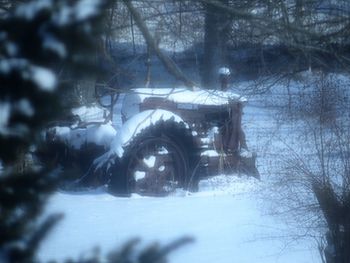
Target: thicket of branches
263	37
311	186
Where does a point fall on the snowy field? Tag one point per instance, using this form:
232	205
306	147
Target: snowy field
227	217
224	217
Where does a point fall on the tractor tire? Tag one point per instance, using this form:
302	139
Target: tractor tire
156	162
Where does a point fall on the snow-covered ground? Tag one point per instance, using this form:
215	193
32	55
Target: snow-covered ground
228	216
225	217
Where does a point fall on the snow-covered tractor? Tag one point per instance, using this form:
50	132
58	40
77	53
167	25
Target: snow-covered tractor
158	140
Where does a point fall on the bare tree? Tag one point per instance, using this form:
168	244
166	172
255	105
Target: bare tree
314	178
216	32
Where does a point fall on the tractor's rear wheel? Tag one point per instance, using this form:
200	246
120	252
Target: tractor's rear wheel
156	162
153	165
157	166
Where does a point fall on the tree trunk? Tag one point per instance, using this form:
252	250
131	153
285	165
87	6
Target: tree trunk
216	31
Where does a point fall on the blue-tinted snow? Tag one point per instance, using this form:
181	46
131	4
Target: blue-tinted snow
29	10
87	8
24	107
11	48
196	96
44	78
80	11
97	134
6	65
54	45
90	113
224	218
5	110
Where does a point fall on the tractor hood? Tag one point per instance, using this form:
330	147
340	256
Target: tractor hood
182	97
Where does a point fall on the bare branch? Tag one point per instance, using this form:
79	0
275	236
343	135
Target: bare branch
170	66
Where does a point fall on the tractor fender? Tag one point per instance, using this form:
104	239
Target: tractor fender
134	126
140	121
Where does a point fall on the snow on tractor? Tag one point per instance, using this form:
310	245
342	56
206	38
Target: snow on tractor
158	140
